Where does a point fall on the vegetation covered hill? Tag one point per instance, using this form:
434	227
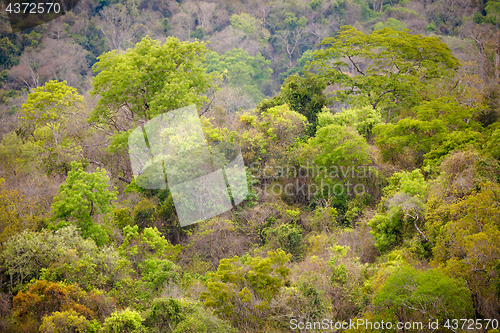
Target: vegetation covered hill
370	134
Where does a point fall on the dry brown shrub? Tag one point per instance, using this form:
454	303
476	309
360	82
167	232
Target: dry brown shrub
360	241
213	240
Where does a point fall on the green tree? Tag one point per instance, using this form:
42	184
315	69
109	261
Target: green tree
304	94
50	105
164	314
363	119
390	23
61	255
199	319
147	80
266	137
394	70
402	210
412	295
49	119
242	288
340	146
8	53
17	158
81	198
251	73
65	321
433	129
126	320
251	26
467	238
42	298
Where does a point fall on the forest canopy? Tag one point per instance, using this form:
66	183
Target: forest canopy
369	133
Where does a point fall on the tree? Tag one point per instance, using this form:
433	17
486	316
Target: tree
266	137
199	319
61	255
467	240
147	80
412	295
116	24
8	53
65	321
433	130
304	94
363	119
389	69
49	119
17	159
17	213
241	290
42	298
81	198
252	74
339	146
124	321
402	210
51	105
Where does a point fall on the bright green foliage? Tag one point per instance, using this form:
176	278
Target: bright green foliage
402	67
390	23
409	183
453	141
148	243
65	321
151	256
412	295
82	197
251	26
402	210
339	146
493	144
57	304
241	290
48	119
250	73
150	79
341	158
164	314
437	128
201	320
363	119
339	271
387	229
17	158
468	242
285	236
62	255
124	321
267	137
304	94
49	105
